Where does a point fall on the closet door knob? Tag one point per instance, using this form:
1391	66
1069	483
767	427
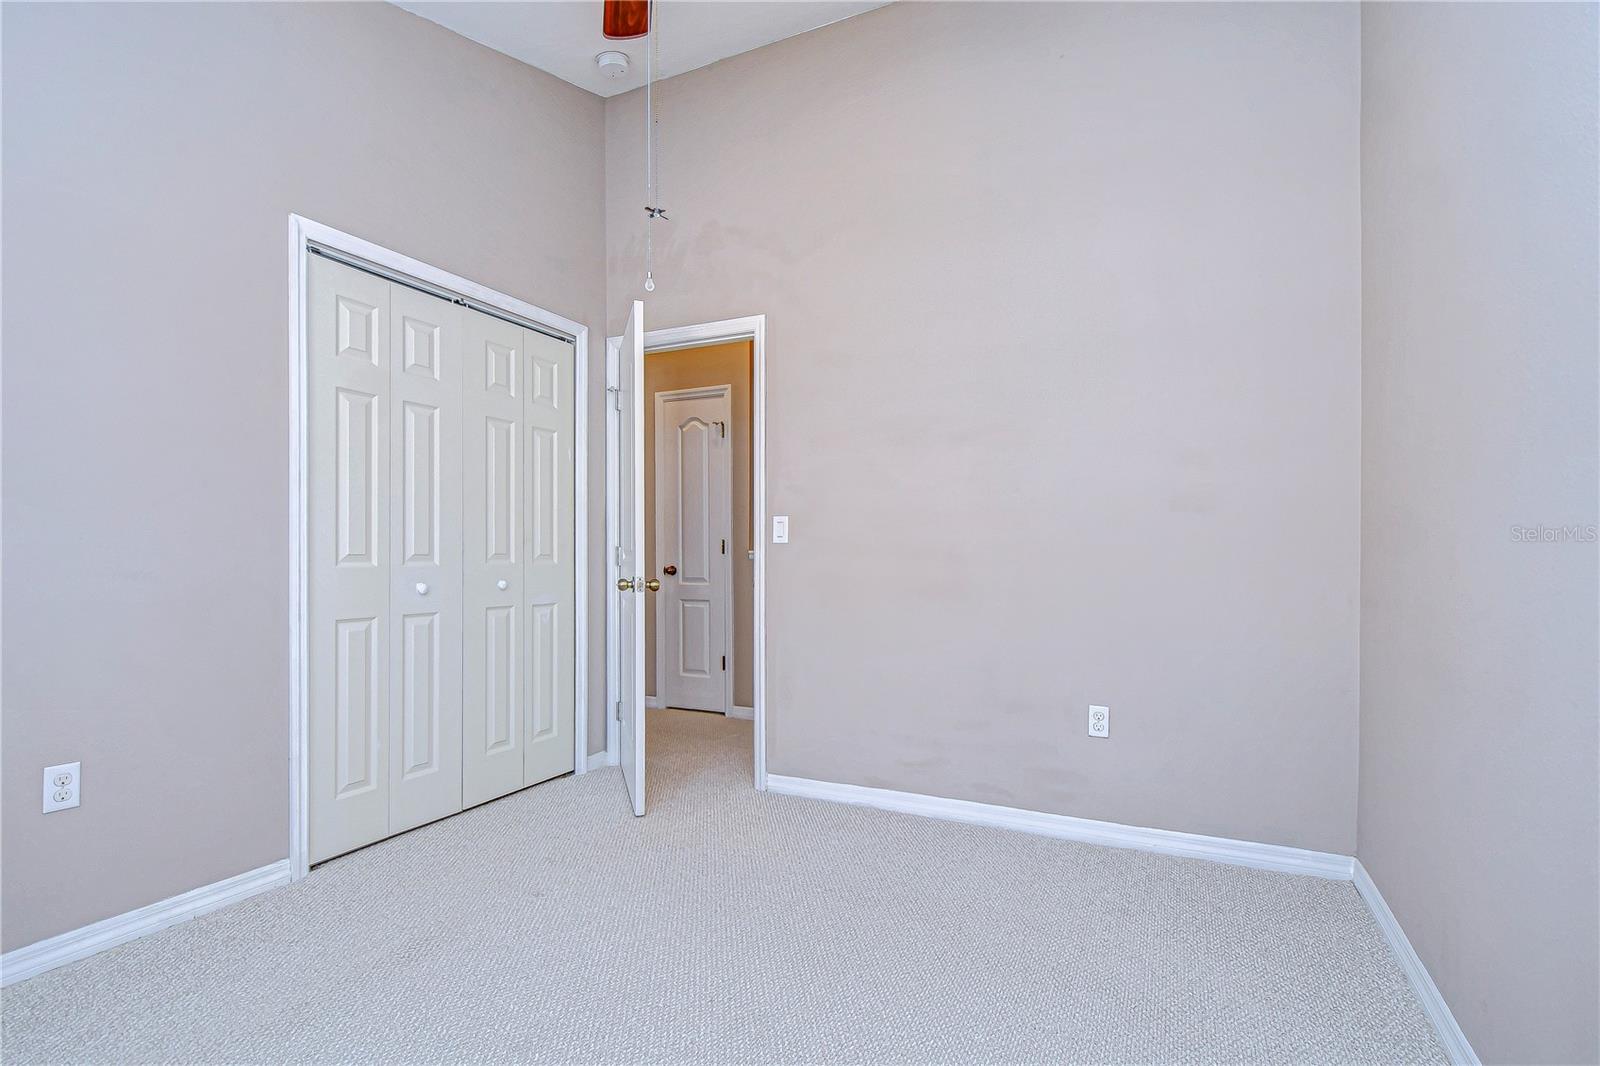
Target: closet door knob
502	584
422	588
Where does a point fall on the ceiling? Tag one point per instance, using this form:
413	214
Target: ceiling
563	36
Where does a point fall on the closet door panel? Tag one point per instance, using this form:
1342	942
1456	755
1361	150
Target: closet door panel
494	385
549	642
349	420
424	662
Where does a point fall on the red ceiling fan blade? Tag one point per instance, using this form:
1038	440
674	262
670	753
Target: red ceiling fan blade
626	18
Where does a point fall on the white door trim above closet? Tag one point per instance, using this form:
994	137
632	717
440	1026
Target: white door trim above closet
304	231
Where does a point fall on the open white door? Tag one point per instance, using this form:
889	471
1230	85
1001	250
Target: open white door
631	584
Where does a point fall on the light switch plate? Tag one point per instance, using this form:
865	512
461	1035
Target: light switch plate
780	529
61	786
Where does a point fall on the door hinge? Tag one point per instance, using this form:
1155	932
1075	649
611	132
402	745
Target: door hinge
724	547
619	710
724	662
616	395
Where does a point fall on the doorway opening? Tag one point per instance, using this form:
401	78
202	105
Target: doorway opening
685	517
699	532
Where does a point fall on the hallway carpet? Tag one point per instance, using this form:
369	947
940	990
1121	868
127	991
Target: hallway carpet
730	926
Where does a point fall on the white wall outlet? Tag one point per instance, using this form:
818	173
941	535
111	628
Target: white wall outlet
780	529
1099	721
61	786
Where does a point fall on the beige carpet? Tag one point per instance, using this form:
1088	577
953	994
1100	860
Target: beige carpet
725	926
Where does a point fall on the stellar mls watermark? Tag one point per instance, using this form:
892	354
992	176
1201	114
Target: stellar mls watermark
1543	534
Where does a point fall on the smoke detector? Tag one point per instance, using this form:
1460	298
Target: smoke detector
614	65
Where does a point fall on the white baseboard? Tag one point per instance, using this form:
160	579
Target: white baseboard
1433	1004
600	759
653	704
1166	842
30	961
1109	834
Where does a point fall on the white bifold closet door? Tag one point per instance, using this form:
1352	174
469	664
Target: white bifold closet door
347	539
425	582
519	564
428	492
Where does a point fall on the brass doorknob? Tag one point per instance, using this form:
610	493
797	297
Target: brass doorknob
669	570
624	585
653	585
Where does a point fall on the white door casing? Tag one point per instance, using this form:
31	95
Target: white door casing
425	558
693	521
630	557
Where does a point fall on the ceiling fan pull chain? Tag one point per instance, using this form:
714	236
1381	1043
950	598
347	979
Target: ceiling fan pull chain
655	127
652	186
649	148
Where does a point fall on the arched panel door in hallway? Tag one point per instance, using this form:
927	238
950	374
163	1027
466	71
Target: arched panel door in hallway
693	524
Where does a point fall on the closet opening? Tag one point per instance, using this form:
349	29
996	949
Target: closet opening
438	609
699	529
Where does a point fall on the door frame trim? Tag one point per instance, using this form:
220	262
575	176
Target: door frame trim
752	328
694	392
301	231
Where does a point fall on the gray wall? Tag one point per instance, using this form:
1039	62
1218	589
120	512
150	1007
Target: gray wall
1478	815
152	157
1064	351
1075	414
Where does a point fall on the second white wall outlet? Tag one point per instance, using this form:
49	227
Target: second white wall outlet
780	529
1099	721
61	786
